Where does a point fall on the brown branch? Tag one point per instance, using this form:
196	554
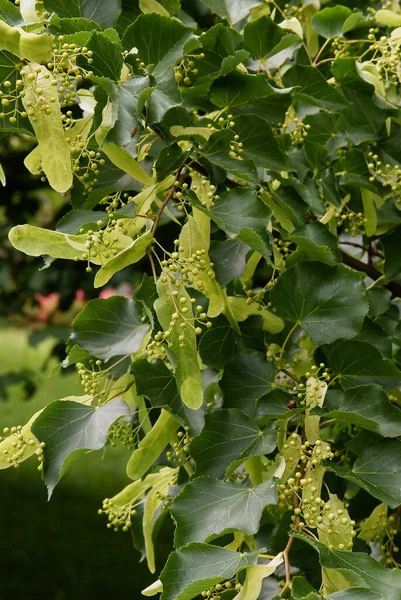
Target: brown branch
373	273
286	551
368	250
166	200
287	372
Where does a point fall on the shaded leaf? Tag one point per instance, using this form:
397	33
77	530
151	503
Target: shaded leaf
366	406
221	342
104	13
328	302
208	508
197	566
69	427
228	438
109	327
246	378
358	363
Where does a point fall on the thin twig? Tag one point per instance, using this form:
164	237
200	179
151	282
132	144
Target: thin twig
286	552
356	245
287	372
152	264
166	200
373	273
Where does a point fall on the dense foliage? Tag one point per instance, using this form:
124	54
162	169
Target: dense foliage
247	153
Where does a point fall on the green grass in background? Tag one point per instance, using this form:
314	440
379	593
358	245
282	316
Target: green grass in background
61	549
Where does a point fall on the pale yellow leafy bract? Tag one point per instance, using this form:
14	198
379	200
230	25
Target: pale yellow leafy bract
184	355
31	46
7	449
48	127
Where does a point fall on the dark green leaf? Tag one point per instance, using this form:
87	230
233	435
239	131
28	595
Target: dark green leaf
358	363
315	154
196	567
392	248
246	378
111	327
157	382
228	438
129	111
208	508
328	302
107	57
261	36
355	594
104	13
217	151
229	259
242	215
259	143
69	427
329	22
237	89
273	404
232	11
316	240
10	13
384	582
313	88
9	71
160	41
366	406
373	333
221	342
169	160
379	301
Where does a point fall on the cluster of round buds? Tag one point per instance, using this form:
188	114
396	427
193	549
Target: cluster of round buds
90	377
114	202
316	513
123	432
119	517
40	454
186	69
10	93
166	499
284	247
65	70
180	453
101	243
386	57
388	175
156	349
192	269
296	128
223	123
215	591
321	377
15	452
313	454
341	47
206	193
86	164
388	547
236	148
351	222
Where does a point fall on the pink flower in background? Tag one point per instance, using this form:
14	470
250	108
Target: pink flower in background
125	289
47	305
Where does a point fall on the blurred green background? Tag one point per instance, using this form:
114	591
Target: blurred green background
60	549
